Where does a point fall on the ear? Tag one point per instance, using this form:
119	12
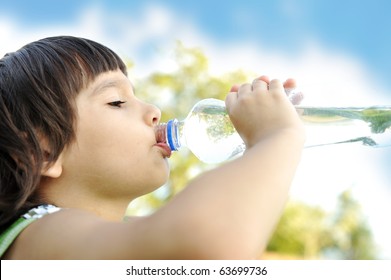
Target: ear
52	170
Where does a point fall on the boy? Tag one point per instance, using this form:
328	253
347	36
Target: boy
77	146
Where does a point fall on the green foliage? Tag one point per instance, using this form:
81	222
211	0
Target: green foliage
311	233
303	230
351	235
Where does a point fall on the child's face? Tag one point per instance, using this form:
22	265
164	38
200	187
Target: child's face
115	152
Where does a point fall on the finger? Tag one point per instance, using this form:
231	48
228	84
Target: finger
230	99
264	78
244	88
259	85
276	87
235	88
290	83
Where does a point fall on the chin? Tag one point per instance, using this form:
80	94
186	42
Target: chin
156	177
151	188
157	182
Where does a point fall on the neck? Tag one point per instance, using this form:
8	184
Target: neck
73	196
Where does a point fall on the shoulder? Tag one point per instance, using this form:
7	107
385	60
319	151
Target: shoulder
41	239
78	234
9	234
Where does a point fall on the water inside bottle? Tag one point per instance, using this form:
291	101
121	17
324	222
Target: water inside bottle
210	129
210	134
369	126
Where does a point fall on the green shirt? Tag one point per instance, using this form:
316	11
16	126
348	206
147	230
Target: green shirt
11	233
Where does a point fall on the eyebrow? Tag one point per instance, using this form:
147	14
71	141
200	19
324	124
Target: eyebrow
109	84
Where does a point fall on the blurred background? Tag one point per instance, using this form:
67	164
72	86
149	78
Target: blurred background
181	51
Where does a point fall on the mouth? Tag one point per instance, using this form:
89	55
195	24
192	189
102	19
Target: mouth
166	151
161	142
160	133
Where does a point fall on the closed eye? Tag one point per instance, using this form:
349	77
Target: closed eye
117	103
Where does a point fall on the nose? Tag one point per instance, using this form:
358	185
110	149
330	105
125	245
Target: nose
153	114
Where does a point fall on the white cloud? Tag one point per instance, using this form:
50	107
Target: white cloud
8	31
325	76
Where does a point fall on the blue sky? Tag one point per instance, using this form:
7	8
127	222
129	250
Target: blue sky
339	51
358	28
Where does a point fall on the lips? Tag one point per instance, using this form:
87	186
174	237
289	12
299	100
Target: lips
165	148
160	133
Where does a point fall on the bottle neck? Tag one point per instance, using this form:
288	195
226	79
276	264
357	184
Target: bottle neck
174	134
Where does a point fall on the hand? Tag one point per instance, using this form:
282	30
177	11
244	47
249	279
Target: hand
262	108
290	89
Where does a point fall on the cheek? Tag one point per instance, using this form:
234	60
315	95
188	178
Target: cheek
112	146
103	159
101	133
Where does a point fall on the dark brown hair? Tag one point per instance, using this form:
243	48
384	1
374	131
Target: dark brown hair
38	86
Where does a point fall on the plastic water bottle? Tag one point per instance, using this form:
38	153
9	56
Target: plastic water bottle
208	132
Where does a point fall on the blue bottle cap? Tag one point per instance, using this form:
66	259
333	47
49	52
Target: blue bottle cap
170	136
